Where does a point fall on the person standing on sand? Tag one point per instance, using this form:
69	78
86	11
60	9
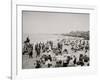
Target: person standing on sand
30	52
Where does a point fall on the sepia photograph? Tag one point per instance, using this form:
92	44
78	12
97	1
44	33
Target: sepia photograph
55	39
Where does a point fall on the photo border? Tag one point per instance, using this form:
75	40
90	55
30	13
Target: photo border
14	55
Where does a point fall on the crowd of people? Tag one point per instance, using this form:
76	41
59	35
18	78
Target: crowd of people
63	53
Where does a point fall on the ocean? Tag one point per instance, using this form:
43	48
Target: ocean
46	37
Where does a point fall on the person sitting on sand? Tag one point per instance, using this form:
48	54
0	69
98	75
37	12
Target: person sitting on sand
38	64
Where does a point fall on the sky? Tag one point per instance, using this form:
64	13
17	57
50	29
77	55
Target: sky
54	23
